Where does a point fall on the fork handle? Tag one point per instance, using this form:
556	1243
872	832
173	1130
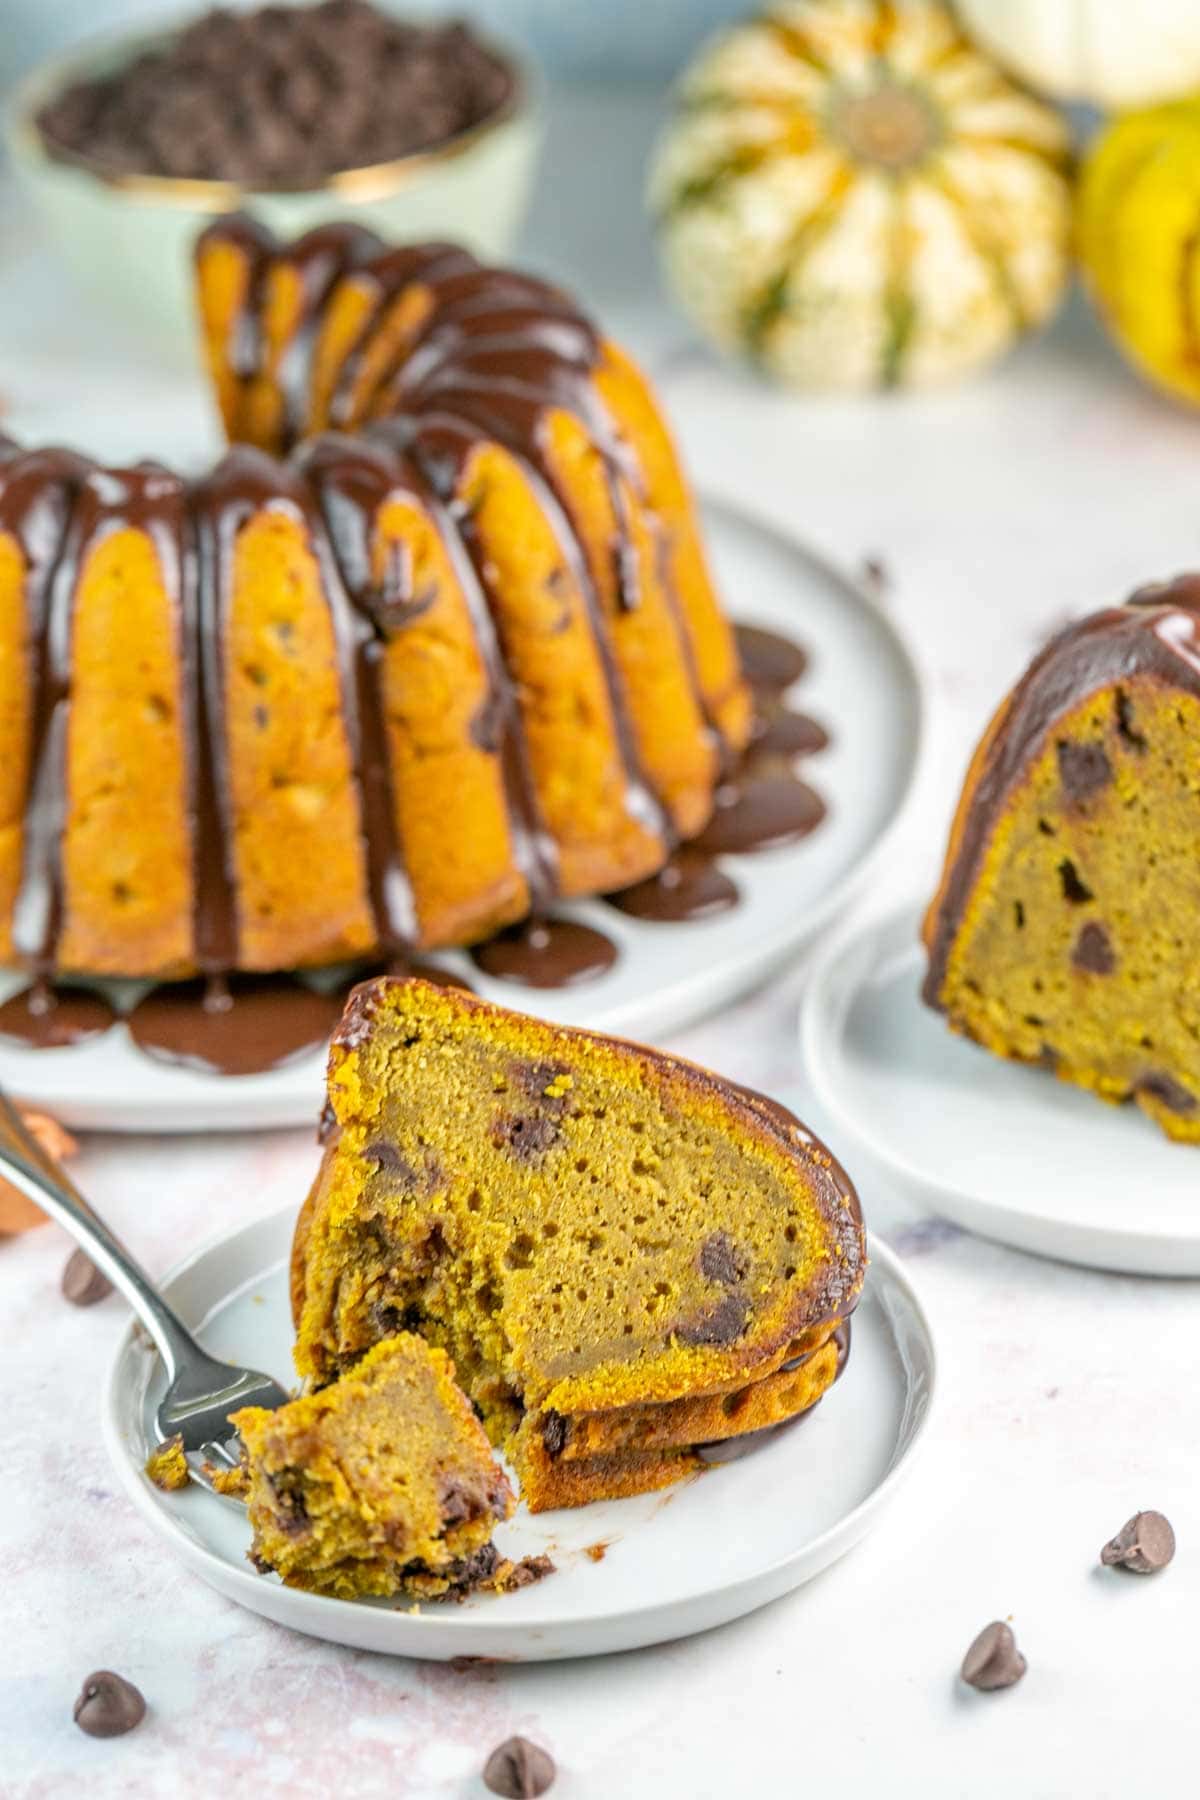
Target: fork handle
42	1179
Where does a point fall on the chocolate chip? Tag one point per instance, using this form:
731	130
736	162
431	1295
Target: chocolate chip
554	1433
83	1284
1083	770
1172	1095
388	1159
459	1503
1093	951
1074	890
725	1323
1145	1544
525	1136
993	1661
519	1770
291	1512
108	1705
721	1260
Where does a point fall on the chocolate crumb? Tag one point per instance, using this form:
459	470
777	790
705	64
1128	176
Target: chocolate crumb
1144	1544
508	1576
519	1770
109	1706
993	1660
83	1284
1093	952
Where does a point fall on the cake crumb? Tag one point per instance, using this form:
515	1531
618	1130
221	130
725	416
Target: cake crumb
233	1483
508	1576
597	1552
167	1466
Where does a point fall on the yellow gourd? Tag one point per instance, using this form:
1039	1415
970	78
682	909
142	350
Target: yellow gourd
1139	240
851	196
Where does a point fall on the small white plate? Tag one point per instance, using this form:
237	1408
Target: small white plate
1002	1149
861	682
715	1547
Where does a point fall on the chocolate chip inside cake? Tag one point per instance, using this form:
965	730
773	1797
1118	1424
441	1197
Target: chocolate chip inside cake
383	1483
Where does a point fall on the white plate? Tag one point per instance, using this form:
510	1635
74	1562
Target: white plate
707	1551
861	682
1005	1150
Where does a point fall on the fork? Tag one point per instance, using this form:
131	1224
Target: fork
201	1392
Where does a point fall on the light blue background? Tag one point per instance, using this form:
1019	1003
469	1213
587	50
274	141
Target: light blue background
577	39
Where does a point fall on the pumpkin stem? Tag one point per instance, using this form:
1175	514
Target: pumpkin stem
890	126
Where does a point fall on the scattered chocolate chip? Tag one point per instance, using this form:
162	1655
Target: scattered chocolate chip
1083	770
1144	1544
721	1260
1093	952
109	1706
82	1282
519	1770
993	1661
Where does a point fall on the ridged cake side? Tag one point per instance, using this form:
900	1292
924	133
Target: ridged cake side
391	694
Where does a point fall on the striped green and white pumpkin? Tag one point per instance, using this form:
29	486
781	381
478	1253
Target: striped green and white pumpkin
853	197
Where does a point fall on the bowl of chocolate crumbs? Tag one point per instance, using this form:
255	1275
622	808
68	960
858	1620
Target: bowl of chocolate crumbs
296	113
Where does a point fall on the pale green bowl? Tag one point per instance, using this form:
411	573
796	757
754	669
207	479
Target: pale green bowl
128	240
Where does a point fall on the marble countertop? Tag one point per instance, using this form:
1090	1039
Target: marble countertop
1069	1397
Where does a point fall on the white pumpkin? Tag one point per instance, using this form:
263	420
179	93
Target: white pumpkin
853	197
1114	53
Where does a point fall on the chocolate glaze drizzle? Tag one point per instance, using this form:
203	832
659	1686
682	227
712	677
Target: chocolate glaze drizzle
494	354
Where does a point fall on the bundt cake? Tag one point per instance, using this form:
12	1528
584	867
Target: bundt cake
626	1258
383	1483
1065	931
393	692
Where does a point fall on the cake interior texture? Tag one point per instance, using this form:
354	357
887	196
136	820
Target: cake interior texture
382	1483
624	1257
1065	932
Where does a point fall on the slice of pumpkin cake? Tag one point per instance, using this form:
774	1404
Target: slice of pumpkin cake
1066	929
382	1483
625	1256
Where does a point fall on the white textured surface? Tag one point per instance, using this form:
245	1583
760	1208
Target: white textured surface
1069	1399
